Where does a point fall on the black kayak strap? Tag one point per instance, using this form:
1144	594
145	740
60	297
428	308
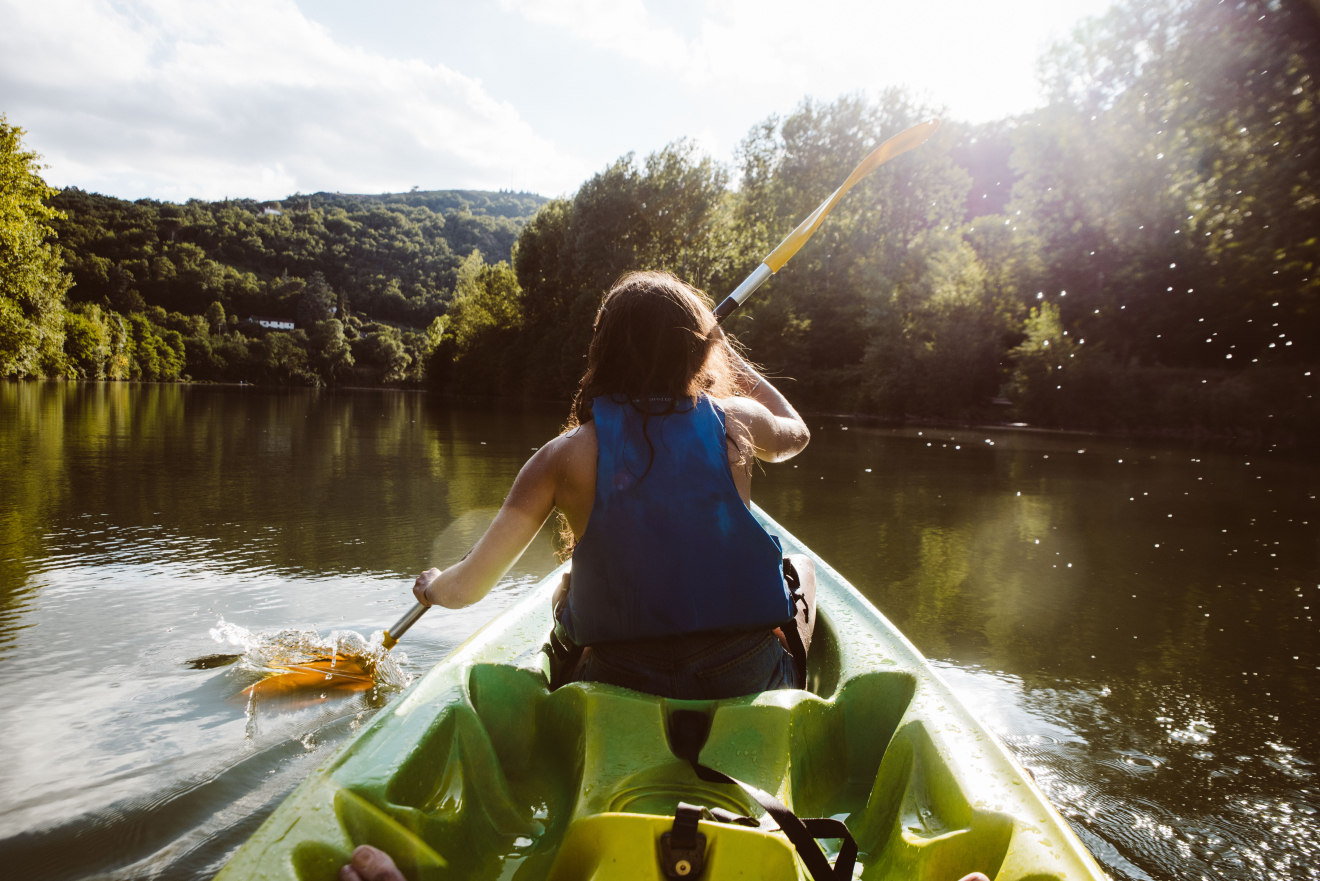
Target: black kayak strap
687	736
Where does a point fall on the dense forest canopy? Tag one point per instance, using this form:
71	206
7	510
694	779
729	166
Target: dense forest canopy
394	257
1140	252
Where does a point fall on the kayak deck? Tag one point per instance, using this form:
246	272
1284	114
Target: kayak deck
479	771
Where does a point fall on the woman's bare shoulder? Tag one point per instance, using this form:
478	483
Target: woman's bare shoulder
575	449
579	436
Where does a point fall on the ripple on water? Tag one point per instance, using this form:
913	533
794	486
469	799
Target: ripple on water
1194	792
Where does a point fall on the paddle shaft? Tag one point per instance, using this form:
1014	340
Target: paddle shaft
395	633
898	144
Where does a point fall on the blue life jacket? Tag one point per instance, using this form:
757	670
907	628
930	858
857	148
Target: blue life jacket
670	549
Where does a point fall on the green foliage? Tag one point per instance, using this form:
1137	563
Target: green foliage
156	354
663	213
1044	362
87	341
938	340
391	257
487	298
162	290
386	351
215	316
281	359
834	315
1161	207
1171	182
317	302
328	352
475	344
32	280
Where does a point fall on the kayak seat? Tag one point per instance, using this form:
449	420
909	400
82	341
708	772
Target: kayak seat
511	770
559	783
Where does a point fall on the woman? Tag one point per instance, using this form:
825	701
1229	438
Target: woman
676	588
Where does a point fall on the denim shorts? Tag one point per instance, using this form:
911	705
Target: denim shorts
700	667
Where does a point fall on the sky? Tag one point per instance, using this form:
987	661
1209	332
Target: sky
174	100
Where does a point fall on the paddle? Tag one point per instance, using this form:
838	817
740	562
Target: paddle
346	673
898	144
895	146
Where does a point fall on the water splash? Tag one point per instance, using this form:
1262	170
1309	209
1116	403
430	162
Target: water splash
268	653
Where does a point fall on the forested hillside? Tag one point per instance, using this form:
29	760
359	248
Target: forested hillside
163	291
394	257
1139	253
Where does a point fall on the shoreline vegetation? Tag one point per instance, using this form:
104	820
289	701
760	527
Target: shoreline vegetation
1200	436
1139	256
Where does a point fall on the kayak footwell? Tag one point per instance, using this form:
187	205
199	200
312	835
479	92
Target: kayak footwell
479	771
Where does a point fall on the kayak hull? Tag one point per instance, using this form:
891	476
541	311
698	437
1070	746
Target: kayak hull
479	771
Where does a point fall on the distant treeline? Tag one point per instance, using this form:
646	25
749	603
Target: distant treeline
1140	253
158	291
392	257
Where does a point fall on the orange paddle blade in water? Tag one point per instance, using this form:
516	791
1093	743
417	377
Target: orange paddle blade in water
343	675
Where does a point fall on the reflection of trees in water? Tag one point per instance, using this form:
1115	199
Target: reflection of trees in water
1171	578
304	480
30	489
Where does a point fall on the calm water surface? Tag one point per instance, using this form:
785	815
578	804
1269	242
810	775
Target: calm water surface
1136	620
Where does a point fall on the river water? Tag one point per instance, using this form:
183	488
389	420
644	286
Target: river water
1136	620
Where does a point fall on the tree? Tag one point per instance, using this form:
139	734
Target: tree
87	341
215	317
1171	181
664	213
937	340
328	352
157	355
384	348
829	319
32	279
317	301
479	335
1044	363
281	358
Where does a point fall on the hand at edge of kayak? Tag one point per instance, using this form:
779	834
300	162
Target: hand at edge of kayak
370	864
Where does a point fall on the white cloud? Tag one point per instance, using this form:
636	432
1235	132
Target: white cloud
249	98
976	57
623	26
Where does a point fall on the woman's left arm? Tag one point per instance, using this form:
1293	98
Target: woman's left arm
522	515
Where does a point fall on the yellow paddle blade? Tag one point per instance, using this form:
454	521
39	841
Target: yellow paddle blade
898	144
343	675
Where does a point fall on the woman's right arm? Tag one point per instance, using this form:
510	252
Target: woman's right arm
777	431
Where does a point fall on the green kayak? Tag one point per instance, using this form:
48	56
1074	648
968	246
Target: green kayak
478	770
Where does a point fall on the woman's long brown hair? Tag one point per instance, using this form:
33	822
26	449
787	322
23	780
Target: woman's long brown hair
655	337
